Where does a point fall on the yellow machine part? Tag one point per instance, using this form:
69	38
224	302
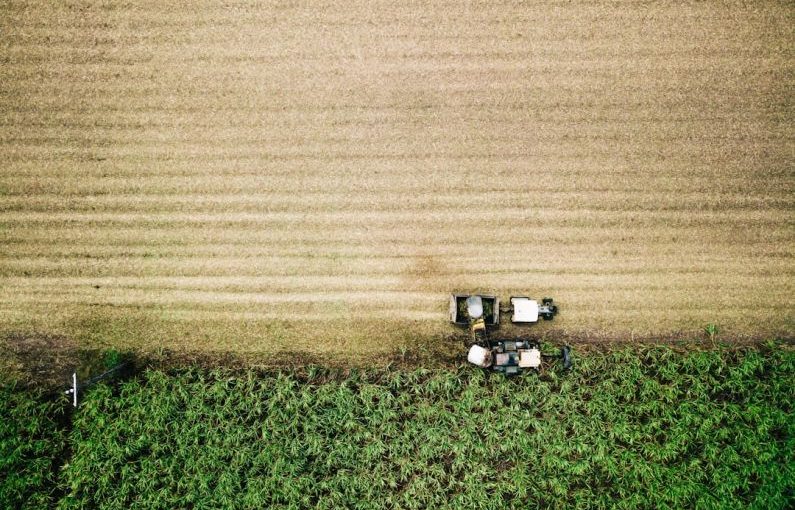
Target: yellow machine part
478	326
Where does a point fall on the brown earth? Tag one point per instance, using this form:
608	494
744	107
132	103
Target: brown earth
320	175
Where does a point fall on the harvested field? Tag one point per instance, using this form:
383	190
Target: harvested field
285	175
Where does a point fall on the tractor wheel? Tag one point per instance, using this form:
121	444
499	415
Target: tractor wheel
548	316
553	309
565	354
546	301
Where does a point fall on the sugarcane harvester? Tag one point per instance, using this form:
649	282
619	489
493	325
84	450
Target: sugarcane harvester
509	356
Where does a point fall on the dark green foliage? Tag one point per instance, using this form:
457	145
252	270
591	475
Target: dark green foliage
628	429
32	439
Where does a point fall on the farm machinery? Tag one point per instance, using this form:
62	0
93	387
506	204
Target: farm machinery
481	313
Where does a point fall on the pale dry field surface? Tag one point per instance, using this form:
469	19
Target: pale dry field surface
318	176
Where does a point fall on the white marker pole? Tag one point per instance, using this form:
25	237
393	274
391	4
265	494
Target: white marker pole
74	389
